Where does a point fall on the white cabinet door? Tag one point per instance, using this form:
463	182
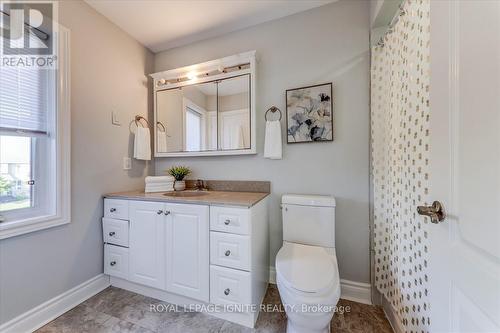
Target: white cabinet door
187	234
147	243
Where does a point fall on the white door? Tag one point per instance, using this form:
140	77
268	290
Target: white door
465	166
234	129
187	262
147	243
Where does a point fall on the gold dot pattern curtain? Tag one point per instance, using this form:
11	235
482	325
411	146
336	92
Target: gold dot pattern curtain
400	164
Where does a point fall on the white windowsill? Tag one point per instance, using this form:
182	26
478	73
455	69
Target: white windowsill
16	228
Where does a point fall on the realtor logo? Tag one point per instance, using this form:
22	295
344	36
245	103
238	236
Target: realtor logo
27	33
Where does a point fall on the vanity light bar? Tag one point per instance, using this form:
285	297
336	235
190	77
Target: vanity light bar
162	82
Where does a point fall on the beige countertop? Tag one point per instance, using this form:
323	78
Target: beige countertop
216	198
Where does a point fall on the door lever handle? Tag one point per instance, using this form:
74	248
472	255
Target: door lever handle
435	212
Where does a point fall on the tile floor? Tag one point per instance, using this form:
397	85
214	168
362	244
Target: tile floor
118	310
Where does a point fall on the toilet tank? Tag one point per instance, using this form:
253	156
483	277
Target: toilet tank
309	219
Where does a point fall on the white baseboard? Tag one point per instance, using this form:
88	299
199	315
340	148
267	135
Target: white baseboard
53	308
391	314
356	291
272	274
350	290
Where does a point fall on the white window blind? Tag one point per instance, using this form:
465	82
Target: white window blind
23	99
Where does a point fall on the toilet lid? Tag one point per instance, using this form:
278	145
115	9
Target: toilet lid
306	268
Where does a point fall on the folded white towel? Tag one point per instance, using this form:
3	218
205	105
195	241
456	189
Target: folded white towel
272	145
159	186
142	144
159	179
161	142
156	190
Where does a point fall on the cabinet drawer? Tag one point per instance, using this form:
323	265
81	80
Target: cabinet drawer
228	219
115	231
116	261
229	286
230	250
116	209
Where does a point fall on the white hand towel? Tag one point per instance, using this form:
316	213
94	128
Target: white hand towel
142	144
272	145
159	179
161	141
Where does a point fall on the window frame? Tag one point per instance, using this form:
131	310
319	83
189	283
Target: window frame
61	209
189	104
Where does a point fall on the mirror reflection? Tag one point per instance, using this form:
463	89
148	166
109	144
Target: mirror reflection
234	113
204	117
189	117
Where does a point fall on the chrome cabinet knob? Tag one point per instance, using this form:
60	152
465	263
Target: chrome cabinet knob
226	222
112	210
159	212
112	263
228	253
227	291
167	212
112	233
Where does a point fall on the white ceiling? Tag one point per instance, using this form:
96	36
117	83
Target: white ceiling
165	24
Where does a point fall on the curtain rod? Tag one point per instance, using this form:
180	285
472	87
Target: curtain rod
394	21
45	36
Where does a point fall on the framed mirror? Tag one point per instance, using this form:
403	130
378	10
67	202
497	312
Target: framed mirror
206	111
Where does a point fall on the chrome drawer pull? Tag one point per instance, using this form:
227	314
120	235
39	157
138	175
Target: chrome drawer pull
228	253
112	263
227	291
112	210
226	222
167	212
112	233
159	212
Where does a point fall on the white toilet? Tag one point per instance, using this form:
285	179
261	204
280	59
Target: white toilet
306	266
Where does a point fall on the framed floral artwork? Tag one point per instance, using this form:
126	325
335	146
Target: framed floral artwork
309	113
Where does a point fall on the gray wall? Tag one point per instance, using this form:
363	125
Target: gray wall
108	72
326	44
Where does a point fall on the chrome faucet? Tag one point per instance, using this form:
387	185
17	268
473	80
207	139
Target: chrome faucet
200	185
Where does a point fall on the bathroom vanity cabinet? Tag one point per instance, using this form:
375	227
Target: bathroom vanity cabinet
189	254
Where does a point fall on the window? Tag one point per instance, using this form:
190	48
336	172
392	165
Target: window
194	122
15	173
34	145
193	130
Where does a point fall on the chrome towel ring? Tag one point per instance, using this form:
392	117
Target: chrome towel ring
138	121
273	109
160	126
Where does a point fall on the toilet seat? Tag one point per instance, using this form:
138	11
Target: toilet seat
307	270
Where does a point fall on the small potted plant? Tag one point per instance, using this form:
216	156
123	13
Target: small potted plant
179	172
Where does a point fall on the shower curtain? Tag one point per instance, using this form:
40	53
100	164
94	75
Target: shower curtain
400	164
